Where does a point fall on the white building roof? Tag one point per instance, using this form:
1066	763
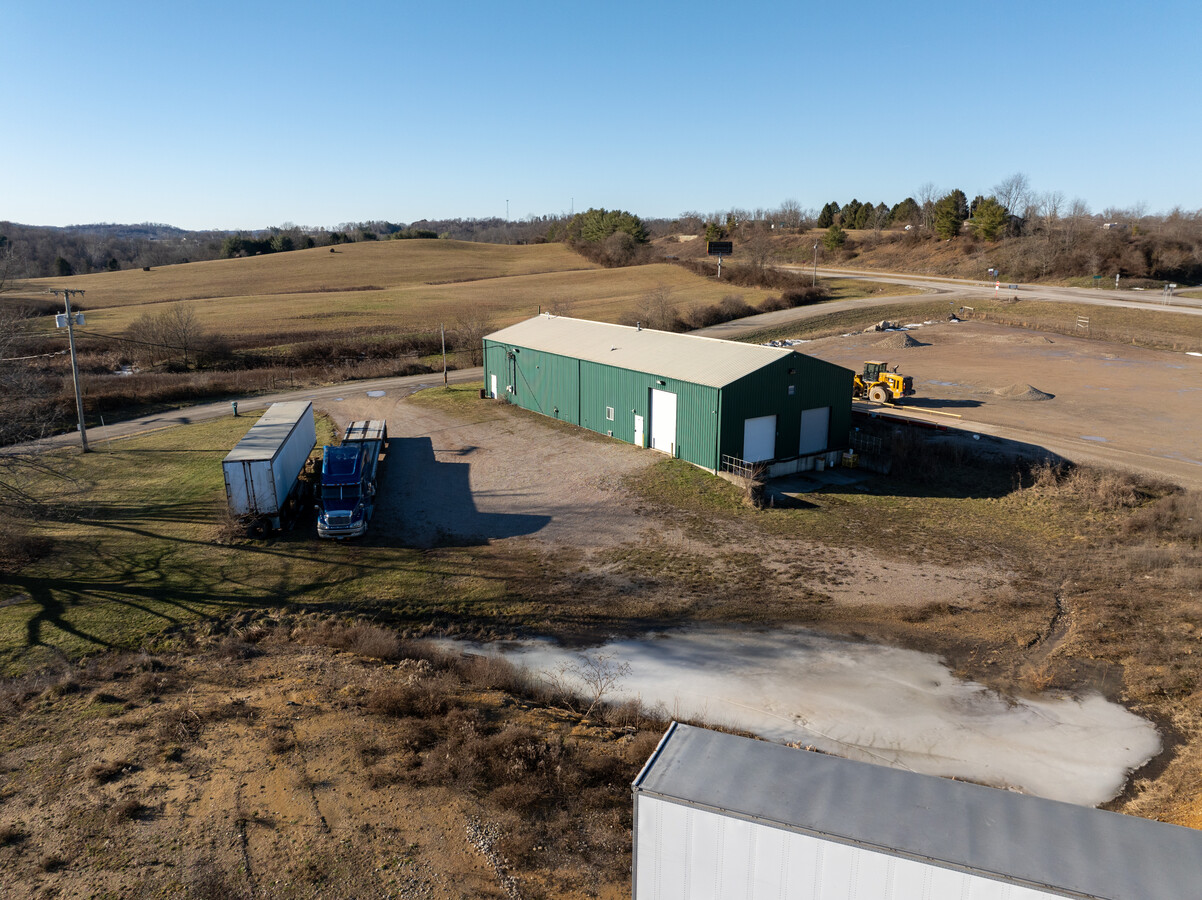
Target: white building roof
1075	850
685	357
269	434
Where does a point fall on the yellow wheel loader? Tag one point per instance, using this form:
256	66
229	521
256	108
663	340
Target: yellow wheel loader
880	385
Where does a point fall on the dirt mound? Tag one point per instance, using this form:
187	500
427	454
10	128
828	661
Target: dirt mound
1023	392
899	340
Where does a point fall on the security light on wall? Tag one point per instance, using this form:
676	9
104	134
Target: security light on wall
660	381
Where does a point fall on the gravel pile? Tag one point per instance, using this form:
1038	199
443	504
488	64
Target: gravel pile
1023	392
899	340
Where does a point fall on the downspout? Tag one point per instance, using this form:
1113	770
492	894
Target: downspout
718	435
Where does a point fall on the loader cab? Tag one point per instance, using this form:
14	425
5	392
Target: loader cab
873	371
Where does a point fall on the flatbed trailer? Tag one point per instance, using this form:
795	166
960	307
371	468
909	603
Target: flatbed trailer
349	474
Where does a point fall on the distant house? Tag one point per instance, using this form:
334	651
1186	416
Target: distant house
717	404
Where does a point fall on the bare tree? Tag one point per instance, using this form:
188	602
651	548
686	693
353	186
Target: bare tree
468	333
8	263
655	310
789	214
591	680
28	411
926	197
759	249
181	330
1014	193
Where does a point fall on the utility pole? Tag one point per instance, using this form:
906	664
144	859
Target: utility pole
83	431
443	331
815	264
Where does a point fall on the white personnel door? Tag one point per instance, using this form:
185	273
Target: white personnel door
663	421
493	386
815	427
638	431
759	439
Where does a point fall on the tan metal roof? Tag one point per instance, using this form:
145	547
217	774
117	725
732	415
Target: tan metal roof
685	357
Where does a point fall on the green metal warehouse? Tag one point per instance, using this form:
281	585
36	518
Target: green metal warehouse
717	404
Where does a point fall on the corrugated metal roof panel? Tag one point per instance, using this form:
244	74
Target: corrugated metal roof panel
267	435
1041	842
687	357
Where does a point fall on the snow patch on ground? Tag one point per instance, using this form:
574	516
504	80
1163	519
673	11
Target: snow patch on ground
873	703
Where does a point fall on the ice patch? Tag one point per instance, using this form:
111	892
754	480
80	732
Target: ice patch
1095	438
878	704
375	393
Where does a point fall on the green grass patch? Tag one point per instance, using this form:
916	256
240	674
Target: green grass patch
973	514
859	289
461	399
140	544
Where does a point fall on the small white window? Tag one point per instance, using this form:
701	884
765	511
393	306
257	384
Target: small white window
609	413
792	389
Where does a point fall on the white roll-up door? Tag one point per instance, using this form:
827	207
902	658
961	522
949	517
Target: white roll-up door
815	430
759	439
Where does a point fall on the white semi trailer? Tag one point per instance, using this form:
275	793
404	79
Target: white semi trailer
262	472
720	816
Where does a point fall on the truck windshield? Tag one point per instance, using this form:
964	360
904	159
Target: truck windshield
339	492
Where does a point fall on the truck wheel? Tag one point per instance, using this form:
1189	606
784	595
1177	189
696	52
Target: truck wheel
256	529
878	394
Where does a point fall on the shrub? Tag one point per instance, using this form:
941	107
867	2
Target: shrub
111	770
430	696
129	811
362	639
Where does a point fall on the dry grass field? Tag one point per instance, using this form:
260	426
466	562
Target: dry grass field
382	286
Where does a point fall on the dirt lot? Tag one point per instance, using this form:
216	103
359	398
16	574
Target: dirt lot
500	474
1107	404
281	759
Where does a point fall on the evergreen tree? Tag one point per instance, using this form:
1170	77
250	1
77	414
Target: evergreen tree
834	238
594	225
826	218
905	213
950	213
989	219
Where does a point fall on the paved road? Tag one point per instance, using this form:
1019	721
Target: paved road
962	287
406	384
952	289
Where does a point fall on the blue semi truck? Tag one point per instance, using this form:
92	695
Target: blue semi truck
348	480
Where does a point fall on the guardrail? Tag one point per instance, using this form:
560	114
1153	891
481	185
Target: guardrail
737	466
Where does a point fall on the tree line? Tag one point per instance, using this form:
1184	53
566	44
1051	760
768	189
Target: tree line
1058	234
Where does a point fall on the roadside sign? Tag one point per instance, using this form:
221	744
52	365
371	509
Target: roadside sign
719	248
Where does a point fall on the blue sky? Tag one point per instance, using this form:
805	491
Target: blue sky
244	115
